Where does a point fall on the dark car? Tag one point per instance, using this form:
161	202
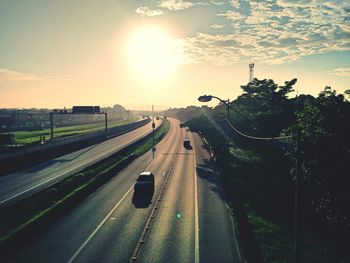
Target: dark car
187	144
145	182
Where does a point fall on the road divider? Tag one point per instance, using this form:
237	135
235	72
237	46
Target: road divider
21	221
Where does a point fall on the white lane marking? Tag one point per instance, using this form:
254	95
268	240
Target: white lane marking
61	174
196	226
99	226
107	216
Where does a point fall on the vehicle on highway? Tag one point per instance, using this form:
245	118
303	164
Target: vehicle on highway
145	182
187	144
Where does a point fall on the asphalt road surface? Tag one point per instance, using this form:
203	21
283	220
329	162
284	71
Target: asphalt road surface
184	220
16	186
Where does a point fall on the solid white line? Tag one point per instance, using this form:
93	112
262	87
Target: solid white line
59	175
196	226
99	226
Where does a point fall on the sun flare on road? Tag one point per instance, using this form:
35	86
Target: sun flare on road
151	51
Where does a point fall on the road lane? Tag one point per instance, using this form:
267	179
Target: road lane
16	186
172	234
116	240
217	241
118	236
108	225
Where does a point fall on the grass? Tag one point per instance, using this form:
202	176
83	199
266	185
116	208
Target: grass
15	219
27	137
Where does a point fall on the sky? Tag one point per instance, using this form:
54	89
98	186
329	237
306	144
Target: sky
56	54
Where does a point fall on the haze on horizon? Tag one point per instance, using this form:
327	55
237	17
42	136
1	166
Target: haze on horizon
56	54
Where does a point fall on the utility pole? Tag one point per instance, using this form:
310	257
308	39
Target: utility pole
106	125
298	230
51	124
228	109
153	126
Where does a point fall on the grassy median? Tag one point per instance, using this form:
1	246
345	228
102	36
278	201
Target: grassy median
20	221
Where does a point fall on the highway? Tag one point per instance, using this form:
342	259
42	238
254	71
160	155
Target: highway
16	186
186	219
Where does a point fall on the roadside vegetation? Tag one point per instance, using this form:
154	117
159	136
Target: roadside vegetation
259	175
25	218
27	137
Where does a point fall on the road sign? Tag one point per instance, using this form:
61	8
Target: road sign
86	109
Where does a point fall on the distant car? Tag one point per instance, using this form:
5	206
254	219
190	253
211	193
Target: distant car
187	144
145	182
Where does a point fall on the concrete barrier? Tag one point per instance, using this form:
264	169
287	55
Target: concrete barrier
112	132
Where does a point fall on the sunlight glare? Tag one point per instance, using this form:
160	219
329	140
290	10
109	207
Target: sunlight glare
151	52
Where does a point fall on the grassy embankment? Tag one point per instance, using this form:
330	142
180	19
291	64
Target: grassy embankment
31	214
26	137
260	178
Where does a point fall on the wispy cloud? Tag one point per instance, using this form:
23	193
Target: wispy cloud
12	75
177	4
217	26
146	11
166	6
342	72
217	2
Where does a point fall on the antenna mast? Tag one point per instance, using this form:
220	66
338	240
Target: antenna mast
251	72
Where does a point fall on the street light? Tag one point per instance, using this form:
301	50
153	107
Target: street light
206	98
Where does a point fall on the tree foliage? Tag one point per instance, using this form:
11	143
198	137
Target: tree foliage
325	144
324	122
267	105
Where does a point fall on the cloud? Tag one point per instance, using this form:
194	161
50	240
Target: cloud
269	32
217	2
217	26
166	5
176	5
146	11
275	32
342	72
12	75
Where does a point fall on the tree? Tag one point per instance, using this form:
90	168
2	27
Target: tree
324	122
267	106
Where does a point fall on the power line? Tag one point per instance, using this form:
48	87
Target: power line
254	137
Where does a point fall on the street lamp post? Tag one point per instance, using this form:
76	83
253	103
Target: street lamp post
153	126
298	231
207	98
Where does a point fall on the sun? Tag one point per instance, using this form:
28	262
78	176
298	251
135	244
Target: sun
151	51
